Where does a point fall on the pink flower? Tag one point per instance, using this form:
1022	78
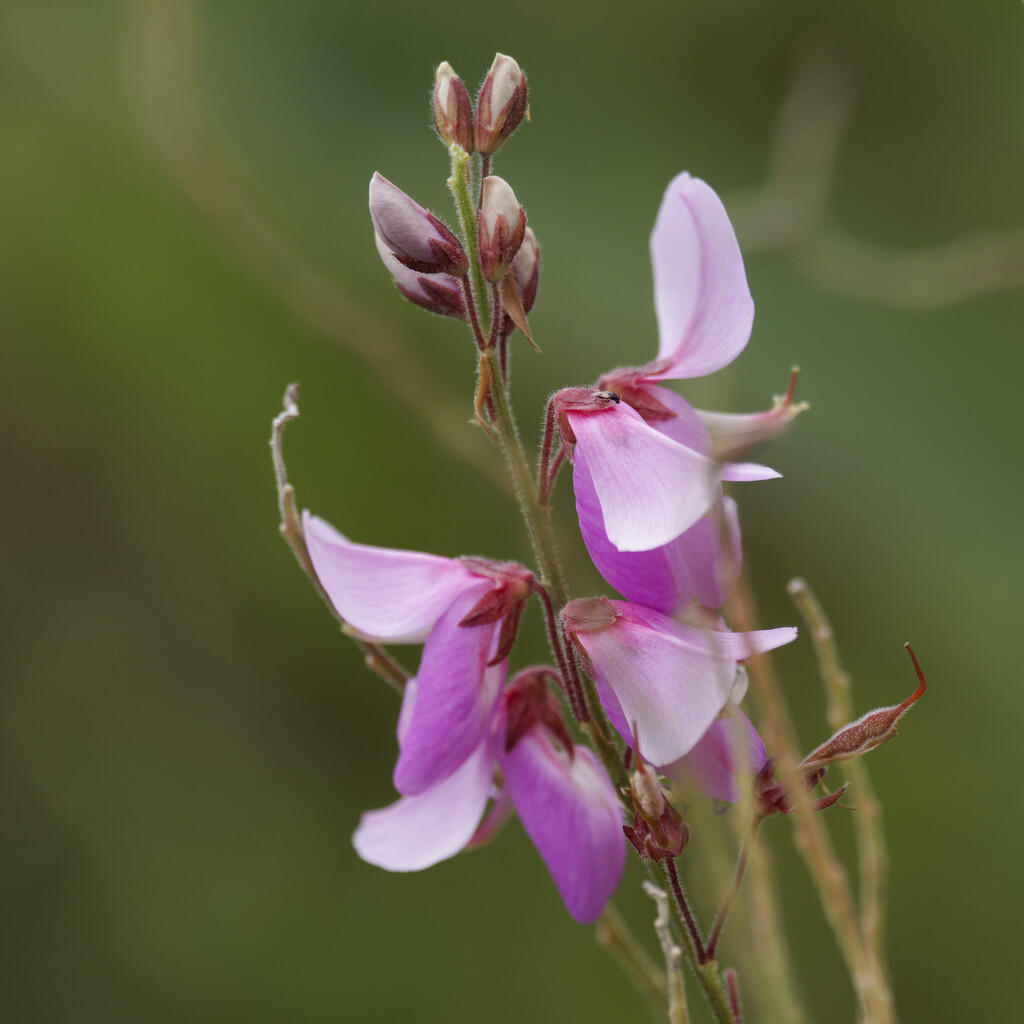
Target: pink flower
649	487
464	609
703	562
564	799
566	802
662	683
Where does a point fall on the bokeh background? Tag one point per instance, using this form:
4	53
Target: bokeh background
186	742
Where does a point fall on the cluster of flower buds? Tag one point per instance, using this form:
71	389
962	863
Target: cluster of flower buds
648	474
500	106
427	262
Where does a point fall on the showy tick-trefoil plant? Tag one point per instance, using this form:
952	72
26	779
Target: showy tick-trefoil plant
640	703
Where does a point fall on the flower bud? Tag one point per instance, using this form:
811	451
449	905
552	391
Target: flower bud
415	236
526	270
658	830
501	227
500	104
453	111
436	293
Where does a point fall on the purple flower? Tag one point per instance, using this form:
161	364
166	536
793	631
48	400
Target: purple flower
464	609
649	488
566	802
662	683
703	562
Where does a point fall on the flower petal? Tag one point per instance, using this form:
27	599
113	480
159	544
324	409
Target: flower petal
667	680
650	488
418	831
745	472
700	564
385	594
731	747
455	698
701	297
570	812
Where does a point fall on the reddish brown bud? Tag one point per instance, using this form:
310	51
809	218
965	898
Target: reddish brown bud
672	836
501	227
658	830
453	111
500	104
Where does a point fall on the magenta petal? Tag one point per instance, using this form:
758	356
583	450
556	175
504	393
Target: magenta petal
650	488
570	812
667	679
701	297
418	831
731	746
385	594
455	698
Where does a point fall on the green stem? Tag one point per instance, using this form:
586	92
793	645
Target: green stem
458	183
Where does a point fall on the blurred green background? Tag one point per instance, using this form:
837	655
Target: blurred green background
185	741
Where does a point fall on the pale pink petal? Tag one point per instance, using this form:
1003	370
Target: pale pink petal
571	813
650	488
731	747
685	427
385	594
701	297
418	831
667	680
701	564
455	698
745	472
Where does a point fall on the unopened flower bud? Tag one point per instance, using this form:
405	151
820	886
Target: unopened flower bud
415	236
658	830
500	104
501	227
436	293
526	269
453	111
